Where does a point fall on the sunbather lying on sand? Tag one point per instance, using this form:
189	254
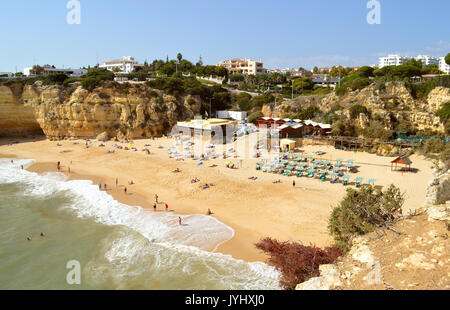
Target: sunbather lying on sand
277	182
195	180
176	170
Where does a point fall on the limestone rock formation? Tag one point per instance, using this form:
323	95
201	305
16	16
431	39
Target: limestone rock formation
389	103
132	111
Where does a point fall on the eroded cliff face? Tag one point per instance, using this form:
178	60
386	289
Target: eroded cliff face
16	118
133	111
393	102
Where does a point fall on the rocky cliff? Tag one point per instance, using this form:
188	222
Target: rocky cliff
416	259
122	111
391	103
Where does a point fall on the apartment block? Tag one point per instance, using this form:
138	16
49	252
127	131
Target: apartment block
243	66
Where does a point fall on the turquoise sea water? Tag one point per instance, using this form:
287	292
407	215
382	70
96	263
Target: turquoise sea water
117	246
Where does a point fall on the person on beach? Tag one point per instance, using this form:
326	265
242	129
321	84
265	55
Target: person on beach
117	182
100	187
58	166
125	190
21	166
293	183
167	207
105	187
154	206
209	212
179	220
12	161
156	198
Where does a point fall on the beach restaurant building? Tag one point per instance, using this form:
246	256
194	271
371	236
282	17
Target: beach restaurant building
209	128
295	128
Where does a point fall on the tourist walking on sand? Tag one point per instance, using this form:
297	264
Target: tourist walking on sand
58	166
156	198
117	182
167	207
179	220
125	190
293	183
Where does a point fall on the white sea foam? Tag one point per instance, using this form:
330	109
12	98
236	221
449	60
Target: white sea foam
191	242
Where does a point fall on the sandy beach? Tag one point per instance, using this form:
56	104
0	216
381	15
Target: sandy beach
253	209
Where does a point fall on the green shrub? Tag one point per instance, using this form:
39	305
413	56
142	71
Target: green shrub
444	112
356	110
354	82
376	130
255	116
362	211
434	146
265	99
308	113
95	77
90	83
58	78
344	129
244	105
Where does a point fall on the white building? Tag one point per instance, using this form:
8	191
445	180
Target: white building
50	70
234	115
428	60
6	74
443	66
393	60
243	66
125	65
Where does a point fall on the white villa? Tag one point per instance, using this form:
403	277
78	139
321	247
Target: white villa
125	65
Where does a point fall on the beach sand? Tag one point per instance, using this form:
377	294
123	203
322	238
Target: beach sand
253	209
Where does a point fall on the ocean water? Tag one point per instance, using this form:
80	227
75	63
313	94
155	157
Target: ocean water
117	246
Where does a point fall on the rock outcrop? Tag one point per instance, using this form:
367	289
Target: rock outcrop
392	103
122	111
418	258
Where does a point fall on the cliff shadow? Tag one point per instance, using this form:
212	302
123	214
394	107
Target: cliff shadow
10	140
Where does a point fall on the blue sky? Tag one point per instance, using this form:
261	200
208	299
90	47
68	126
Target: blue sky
283	33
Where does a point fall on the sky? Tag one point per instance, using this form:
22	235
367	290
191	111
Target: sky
282	33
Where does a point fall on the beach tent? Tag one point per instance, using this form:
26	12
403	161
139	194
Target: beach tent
287	145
